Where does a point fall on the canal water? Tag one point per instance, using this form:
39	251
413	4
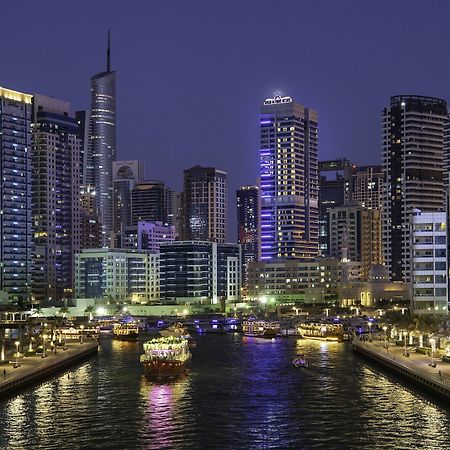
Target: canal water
240	393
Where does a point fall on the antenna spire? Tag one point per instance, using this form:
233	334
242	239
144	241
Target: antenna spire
108	53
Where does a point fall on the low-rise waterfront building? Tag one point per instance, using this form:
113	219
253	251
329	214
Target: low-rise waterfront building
117	275
200	272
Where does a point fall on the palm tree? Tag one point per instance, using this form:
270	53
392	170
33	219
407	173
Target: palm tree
89	310
63	311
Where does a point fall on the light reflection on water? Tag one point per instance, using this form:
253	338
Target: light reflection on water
239	393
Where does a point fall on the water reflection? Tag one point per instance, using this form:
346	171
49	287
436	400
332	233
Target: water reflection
163	414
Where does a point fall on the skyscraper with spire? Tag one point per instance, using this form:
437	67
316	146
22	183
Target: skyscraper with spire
103	143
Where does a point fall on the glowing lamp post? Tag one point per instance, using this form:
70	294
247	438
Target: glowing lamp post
17	354
385	335
81	333
433	348
370	330
44	337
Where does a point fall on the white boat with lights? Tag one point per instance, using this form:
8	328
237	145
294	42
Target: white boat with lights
165	357
321	331
261	328
126	331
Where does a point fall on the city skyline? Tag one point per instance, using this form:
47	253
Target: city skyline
149	82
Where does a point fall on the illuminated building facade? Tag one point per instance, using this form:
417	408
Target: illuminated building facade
15	195
103	144
413	132
56	175
289	180
429	263
146	236
204	205
247	202
148	202
366	187
90	231
117	275
200	272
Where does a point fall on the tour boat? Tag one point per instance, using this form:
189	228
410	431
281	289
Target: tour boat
261	328
165	357
125	331
175	330
321	331
300	361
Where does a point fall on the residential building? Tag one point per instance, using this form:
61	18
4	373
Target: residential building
90	230
117	275
366	187
125	175
148	202
56	176
146	236
413	132
289	180
200	272
247	202
15	195
334	181
429	262
204	205
83	119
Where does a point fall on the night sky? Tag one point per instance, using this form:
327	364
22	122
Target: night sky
191	75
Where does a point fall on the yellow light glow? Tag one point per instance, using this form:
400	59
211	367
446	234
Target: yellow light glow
15	95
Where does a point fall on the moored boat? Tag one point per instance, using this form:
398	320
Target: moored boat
300	361
175	330
261	328
165	357
125	331
321	331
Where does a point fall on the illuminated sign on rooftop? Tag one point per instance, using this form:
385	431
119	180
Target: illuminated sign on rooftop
277	99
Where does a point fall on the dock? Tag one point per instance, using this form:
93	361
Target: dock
35	368
414	368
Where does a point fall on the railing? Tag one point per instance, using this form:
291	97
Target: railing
440	378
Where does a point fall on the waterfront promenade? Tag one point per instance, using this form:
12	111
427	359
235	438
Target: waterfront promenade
415	367
35	368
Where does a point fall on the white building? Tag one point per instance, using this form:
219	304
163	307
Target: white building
146	236
117	275
429	262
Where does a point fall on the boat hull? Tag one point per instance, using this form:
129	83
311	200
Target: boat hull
158	370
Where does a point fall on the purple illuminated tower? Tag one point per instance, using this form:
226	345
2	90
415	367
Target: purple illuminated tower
289	180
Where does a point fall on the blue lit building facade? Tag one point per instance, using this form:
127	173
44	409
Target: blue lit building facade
15	195
289	180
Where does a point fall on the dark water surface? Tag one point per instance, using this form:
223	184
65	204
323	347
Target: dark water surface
240	393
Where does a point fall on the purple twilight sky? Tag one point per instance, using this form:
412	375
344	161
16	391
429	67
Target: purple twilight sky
192	75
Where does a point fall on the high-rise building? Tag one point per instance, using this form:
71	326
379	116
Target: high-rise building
148	202
334	181
56	175
355	236
15	195
103	144
90	231
429	263
413	172
447	152
204	205
247	202
289	180
145	236
125	176
83	119
366	187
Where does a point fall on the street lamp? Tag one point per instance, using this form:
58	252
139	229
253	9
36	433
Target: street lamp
385	336
370	331
44	337
433	343
17	354
81	334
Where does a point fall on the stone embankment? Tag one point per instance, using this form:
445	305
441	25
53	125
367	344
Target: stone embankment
415	367
36	368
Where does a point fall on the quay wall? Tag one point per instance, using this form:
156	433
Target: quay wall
40	373
423	378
